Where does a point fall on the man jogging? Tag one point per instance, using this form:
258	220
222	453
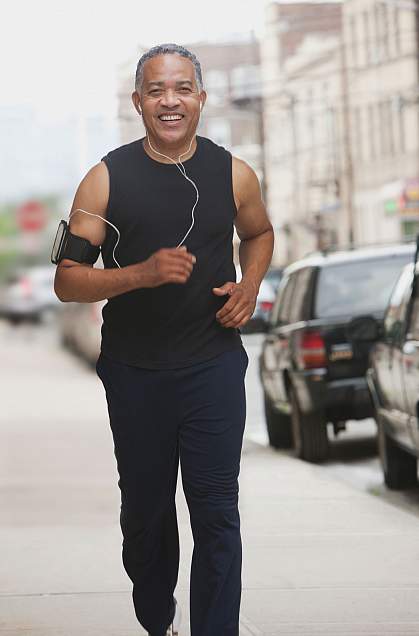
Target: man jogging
172	362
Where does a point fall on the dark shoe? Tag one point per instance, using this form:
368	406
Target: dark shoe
173	629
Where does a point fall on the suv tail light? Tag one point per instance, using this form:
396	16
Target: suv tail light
95	312
266	305
311	350
26	286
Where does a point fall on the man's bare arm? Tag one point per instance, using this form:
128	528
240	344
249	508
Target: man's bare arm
252	224
81	282
255	251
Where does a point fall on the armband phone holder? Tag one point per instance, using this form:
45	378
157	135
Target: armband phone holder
76	248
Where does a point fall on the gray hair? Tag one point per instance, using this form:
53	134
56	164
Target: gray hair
167	49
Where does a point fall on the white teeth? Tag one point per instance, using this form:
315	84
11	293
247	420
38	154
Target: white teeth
170	117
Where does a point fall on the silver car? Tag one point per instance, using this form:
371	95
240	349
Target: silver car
80	328
28	295
264	301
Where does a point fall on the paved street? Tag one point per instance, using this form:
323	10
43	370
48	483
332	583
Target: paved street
321	556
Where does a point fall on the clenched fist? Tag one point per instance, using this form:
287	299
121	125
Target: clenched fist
168	265
239	308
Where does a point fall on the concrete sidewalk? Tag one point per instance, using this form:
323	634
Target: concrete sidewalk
319	558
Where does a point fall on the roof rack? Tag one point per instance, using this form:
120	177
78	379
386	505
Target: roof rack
331	249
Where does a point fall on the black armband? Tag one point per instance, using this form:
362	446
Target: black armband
68	245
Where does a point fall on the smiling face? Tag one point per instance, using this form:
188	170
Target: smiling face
170	101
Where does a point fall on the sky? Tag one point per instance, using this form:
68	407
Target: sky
61	57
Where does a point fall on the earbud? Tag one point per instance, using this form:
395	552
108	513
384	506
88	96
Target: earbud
200	106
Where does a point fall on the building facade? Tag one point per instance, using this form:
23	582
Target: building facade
302	87
382	59
340	87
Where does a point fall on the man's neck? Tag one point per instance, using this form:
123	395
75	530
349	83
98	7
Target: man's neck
161	153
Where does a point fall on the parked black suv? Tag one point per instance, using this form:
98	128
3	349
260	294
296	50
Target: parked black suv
309	371
393	379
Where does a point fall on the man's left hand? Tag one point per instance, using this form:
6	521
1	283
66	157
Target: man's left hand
240	306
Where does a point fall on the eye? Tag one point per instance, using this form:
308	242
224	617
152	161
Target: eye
185	89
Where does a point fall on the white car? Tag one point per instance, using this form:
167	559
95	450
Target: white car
80	329
29	294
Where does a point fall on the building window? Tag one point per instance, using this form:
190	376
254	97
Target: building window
385	18
353	41
216	83
377	43
372	137
390	128
219	130
357	133
246	81
401	126
366	38
382	128
382	133
310	132
386	128
397	30
381	41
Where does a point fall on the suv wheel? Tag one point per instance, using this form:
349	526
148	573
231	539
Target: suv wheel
278	426
310	433
399	466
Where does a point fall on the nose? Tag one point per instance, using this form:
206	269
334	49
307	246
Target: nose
170	99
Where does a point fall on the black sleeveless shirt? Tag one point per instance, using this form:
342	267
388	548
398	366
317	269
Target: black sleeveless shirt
150	202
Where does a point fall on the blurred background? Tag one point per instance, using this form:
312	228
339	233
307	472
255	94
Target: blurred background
322	100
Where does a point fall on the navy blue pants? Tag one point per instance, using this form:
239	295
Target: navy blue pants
158	417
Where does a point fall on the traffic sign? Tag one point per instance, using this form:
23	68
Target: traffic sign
31	216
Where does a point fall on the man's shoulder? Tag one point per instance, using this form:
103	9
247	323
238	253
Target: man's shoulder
241	168
123	151
242	171
212	146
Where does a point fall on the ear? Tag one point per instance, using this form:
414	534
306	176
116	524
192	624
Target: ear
136	101
203	98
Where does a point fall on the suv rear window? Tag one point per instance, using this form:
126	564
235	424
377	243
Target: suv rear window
357	287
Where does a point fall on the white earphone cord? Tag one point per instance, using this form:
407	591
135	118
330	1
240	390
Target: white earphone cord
181	170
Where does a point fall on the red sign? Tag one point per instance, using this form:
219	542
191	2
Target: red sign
31	216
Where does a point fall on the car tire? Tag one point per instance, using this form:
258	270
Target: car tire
399	466
65	341
278	426
309	433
